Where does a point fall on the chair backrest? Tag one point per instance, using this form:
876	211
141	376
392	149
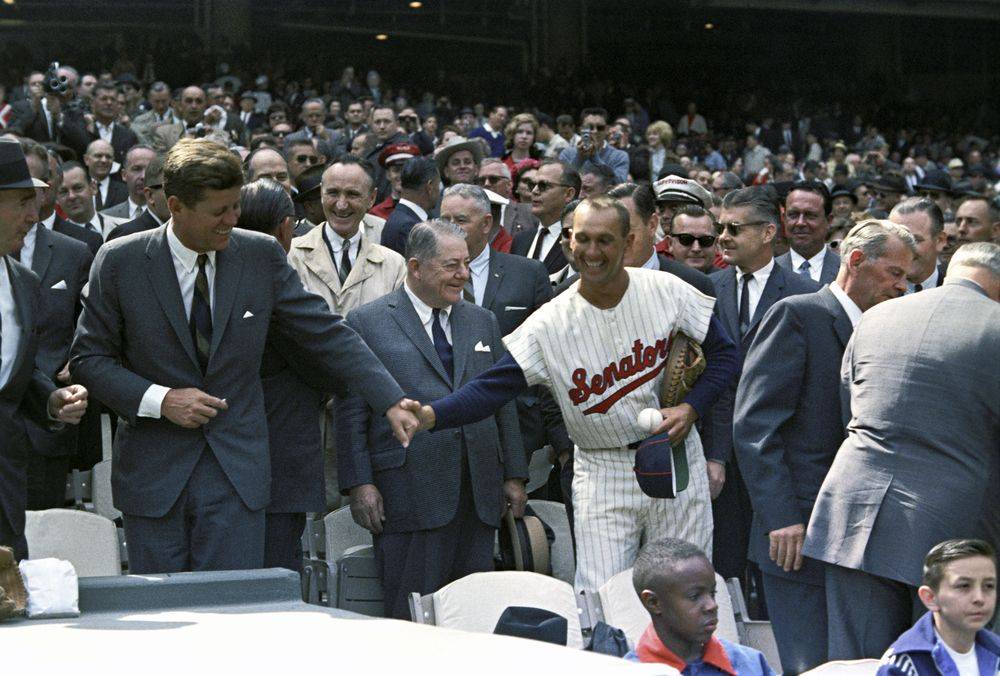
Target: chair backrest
359	586
100	478
476	602
561	553
621	607
88	541
342	533
852	668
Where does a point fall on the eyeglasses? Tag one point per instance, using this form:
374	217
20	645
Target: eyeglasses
567	233
307	159
545	186
407	118
596	127
492	180
279	133
155	186
686	239
734	228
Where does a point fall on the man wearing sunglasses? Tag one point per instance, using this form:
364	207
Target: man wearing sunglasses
300	155
693	238
556	185
746	290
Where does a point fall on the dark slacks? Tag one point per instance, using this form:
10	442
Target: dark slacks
283	540
7	538
732	514
426	560
208	528
867	613
799	618
47	481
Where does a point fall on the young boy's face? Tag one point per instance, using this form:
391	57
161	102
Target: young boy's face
685	599
967	595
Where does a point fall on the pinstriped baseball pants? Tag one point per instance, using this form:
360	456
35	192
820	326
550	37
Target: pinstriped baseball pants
613	518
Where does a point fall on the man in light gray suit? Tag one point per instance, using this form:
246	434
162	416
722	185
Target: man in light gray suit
807	222
920	463
433	508
133	172
787	426
171	338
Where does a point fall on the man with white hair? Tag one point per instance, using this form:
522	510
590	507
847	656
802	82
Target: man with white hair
920	462
495	176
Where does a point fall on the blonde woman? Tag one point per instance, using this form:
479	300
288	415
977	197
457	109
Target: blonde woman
659	136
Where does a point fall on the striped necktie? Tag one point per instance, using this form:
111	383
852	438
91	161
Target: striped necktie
201	314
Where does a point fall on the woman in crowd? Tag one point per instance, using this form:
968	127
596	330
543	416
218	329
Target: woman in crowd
520	132
659	136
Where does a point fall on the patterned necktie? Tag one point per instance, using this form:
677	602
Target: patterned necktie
345	263
745	304
469	292
441	344
201	314
804	269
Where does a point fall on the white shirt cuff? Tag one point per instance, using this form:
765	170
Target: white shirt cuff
152	400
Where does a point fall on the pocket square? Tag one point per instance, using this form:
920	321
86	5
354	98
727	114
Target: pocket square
514	308
247	314
482	348
61	284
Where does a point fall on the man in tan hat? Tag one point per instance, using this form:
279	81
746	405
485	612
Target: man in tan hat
24	389
459	160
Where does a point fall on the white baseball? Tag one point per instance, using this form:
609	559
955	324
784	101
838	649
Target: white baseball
649	419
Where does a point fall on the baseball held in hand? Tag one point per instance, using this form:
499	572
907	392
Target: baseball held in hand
649	419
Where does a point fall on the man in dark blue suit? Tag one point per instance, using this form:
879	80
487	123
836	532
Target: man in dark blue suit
789	421
25	390
420	189
171	337
433	508
807	222
557	184
746	290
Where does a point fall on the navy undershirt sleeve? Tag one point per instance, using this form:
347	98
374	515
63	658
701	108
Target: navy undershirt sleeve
721	366
482	396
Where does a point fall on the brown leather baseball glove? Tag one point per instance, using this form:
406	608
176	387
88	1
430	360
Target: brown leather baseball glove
685	362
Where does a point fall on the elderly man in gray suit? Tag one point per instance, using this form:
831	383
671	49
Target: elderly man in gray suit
788	425
920	463
433	507
807	222
171	338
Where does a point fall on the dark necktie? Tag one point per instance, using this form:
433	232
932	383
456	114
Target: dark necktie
745	304
542	234
201	314
345	263
98	200
917	288
441	344
804	269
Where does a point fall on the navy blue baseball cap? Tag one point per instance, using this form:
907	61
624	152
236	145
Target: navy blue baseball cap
661	468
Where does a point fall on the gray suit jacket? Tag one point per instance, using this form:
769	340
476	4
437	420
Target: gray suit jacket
420	484
62	264
718	439
134	332
518	217
787	420
831	265
119	212
921	462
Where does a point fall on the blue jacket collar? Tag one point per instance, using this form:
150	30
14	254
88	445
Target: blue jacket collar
920	638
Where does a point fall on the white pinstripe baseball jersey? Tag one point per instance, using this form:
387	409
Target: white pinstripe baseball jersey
604	366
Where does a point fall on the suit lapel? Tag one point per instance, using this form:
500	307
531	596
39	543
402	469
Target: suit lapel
494	277
25	311
461	338
772	292
841	322
163	278
727	303
364	265
406	316
228	271
43	251
317	259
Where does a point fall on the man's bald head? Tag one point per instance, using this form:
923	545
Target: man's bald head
99	158
269	163
192	104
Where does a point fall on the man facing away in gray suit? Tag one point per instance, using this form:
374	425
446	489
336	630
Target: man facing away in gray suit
920	463
788	426
171	337
434	507
807	222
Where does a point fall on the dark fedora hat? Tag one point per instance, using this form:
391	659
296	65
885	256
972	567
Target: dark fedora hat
935	180
890	181
14	168
534	623
308	183
843	191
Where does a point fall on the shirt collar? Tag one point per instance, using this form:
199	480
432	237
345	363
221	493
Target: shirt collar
417	209
653	263
761	275
814	262
187	257
155	217
481	262
132	207
424	311
930	282
337	242
50	221
109	126
554	228
850	307
651	649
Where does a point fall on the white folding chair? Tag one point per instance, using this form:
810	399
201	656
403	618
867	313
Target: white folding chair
88	541
756	634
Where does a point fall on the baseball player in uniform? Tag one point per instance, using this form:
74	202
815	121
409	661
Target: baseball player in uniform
601	348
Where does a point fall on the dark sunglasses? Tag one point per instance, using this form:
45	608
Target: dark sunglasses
734	228
307	159
407	118
155	186
596	127
490	180
686	239
545	186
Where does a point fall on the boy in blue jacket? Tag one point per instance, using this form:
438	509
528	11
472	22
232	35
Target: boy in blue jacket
960	591
676	583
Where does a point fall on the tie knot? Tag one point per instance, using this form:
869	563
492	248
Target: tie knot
747	276
202	259
805	265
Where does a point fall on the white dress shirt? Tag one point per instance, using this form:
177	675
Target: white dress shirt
653	262
105	132
103	187
815	263
551	235
337	243
134	210
479	270
186	268
10	326
850	307
426	314
417	209
755	286
50	222
49	122
928	283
